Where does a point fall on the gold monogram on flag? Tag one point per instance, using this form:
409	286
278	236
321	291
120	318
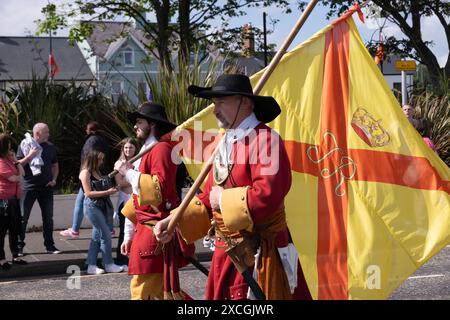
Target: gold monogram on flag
345	161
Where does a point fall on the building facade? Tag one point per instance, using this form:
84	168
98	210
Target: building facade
24	58
117	55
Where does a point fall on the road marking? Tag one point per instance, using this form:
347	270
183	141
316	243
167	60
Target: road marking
68	242
9	282
62	276
429	276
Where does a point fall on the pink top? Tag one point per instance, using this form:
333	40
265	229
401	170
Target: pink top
8	189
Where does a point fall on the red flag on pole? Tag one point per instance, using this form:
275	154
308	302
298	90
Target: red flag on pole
54	69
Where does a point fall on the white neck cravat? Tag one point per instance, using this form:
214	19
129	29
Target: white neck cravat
223	161
234	135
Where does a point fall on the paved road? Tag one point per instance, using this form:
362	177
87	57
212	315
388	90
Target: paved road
431	282
90	287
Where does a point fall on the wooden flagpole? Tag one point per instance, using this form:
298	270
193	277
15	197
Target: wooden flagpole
299	24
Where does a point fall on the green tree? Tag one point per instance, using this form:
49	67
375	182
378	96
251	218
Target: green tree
407	14
183	25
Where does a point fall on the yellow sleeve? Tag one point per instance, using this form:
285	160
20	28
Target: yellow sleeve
234	209
149	190
194	223
129	211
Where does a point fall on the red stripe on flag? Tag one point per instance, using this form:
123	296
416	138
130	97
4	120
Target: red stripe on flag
393	168
297	157
332	202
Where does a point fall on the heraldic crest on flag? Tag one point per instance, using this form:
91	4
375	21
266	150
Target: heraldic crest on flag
369	202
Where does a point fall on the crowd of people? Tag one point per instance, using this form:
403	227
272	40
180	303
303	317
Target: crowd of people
246	206
30	175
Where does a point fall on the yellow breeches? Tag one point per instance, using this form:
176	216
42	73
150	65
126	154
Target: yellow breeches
147	287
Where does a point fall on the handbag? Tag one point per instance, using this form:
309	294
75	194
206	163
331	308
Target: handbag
103	203
103	184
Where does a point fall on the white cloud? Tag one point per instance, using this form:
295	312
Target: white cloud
432	30
18	16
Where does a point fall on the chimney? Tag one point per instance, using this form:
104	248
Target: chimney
248	37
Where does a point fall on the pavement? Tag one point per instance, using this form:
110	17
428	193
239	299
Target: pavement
74	252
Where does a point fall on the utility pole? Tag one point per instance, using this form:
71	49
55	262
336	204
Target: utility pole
404	92
403	66
265	38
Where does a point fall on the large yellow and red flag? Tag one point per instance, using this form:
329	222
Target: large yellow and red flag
369	203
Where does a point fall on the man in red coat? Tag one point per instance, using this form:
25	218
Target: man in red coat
154	195
244	195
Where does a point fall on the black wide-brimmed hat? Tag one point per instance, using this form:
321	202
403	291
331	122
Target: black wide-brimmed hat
151	111
266	107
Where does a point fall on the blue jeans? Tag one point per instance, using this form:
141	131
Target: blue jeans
78	211
101	234
44	196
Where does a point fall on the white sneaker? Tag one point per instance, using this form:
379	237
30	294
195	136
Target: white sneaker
94	270
113	268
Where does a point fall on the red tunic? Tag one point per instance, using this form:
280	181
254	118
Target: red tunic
157	162
269	182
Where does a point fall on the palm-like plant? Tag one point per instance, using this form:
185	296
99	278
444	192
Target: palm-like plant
9	116
169	88
436	110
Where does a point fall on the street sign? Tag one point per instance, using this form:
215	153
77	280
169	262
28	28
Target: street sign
405	65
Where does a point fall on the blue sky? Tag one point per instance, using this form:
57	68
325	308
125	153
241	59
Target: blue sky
317	20
18	18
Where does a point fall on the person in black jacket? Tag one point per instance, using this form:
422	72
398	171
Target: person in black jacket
93	141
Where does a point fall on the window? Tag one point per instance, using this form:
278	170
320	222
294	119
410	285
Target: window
116	90
116	87
142	91
128	57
